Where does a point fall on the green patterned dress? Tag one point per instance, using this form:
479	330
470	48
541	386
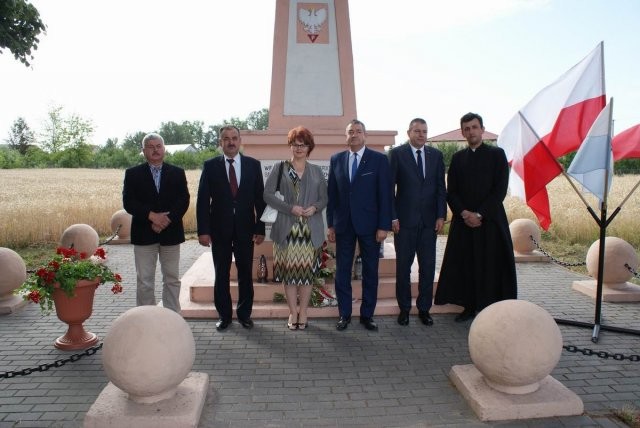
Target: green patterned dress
295	263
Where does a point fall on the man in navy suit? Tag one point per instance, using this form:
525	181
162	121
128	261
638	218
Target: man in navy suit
156	195
359	210
228	210
419	211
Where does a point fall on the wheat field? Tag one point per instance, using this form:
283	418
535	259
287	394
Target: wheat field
39	204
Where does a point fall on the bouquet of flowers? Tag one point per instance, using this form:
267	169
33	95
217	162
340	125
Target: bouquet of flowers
320	296
64	270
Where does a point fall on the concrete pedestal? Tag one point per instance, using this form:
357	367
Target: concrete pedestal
114	409
550	400
625	292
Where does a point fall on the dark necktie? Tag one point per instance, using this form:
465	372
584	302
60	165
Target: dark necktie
420	167
233	181
354	166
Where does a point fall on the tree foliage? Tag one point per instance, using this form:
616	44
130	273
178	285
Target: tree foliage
20	136
20	25
62	132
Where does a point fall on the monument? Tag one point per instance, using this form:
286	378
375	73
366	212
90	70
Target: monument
312	83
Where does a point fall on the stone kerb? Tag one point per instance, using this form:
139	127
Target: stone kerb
514	345
616	276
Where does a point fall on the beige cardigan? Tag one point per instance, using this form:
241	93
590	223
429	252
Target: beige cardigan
313	191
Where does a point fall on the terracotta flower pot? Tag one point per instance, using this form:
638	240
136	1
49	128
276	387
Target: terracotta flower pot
74	311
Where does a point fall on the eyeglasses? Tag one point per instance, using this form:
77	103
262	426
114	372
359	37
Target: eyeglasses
300	146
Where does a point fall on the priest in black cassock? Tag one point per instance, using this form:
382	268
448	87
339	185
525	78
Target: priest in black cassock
478	267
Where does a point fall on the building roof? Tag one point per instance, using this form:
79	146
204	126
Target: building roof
456	135
174	148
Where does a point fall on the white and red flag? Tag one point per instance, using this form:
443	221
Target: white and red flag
558	118
627	144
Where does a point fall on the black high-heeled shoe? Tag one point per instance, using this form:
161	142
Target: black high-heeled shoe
292	325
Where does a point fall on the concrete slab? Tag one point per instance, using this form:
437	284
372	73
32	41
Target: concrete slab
114	409
627	292
532	257
551	399
12	305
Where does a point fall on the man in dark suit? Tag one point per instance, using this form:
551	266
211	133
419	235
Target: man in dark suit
419	211
359	210
156	195
228	210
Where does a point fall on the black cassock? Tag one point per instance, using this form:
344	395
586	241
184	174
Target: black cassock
478	267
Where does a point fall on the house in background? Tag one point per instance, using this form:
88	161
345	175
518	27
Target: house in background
456	137
175	148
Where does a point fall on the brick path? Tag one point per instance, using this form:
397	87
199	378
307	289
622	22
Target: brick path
269	376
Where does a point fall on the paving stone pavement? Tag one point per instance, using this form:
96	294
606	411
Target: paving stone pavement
272	377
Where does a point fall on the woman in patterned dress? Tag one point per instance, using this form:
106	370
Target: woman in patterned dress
299	231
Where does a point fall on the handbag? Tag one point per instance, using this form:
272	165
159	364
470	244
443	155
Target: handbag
270	214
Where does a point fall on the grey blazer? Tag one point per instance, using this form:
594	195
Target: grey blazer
313	191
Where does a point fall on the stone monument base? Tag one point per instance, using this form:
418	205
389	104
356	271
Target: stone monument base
114	409
626	292
12	304
551	399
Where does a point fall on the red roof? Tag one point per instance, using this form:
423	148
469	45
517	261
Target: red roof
456	135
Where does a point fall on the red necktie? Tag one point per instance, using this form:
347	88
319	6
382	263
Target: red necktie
233	181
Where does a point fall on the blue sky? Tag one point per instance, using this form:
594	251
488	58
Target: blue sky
130	65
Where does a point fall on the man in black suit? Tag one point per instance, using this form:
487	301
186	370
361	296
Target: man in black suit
478	266
359	210
156	195
419	211
228	210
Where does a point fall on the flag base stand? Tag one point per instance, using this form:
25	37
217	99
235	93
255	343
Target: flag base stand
597	327
603	222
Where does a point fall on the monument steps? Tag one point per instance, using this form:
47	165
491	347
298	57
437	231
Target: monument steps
196	294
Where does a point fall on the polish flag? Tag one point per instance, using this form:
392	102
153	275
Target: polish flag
627	144
559	118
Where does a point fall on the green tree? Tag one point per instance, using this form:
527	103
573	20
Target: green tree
20	25
132	143
52	136
20	136
258	120
183	133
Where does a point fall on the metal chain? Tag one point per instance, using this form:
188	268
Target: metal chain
632	270
601	354
553	259
112	237
44	367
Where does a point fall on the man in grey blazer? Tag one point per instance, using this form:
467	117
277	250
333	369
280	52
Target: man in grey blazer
419	211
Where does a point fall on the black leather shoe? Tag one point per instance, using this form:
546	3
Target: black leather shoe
425	317
343	322
465	315
369	324
403	318
222	324
246	323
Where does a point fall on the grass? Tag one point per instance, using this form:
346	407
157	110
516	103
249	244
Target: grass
630	415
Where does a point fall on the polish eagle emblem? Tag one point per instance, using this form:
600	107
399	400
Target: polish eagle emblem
312	20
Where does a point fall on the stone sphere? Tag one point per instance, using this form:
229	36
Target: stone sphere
82	237
522	229
515	344
121	224
14	272
148	351
617	252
